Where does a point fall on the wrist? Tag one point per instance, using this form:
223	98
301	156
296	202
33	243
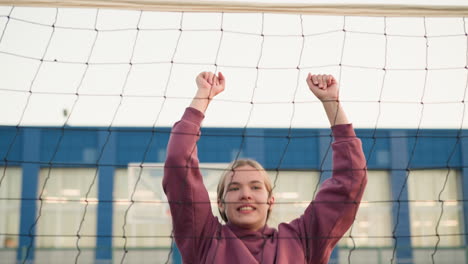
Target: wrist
200	104
331	104
203	94
335	113
330	100
200	101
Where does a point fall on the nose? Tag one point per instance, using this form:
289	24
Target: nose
246	194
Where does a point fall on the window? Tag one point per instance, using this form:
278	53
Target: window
293	192
64	200
424	188
373	224
10	201
148	221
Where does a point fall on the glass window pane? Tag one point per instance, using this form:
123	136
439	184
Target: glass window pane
432	194
63	216
10	202
148	219
293	192
146	222
373	224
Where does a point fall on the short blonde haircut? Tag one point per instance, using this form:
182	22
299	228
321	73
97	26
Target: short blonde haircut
234	165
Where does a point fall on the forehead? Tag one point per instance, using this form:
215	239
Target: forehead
245	174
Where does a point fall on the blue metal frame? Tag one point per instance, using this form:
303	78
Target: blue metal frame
30	181
107	142
464	185
399	176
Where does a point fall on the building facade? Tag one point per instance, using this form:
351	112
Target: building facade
93	195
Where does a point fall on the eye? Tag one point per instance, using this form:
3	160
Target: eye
233	189
256	187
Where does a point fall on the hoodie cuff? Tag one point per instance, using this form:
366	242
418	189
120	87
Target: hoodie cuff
343	132
193	116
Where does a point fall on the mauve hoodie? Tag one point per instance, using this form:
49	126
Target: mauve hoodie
201	238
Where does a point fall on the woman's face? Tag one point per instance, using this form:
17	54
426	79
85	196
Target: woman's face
246	202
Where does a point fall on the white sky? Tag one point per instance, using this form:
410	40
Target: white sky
363	50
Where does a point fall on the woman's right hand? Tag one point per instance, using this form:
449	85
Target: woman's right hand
324	87
209	85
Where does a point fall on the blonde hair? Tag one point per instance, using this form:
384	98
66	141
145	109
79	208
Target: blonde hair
234	165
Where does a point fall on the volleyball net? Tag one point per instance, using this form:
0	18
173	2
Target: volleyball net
88	97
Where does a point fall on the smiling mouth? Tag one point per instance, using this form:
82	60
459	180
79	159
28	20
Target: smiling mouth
246	208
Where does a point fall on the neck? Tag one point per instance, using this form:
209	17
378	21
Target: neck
259	228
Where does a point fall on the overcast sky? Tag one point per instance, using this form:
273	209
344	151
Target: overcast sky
156	91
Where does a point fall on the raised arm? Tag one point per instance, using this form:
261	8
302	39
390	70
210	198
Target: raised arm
333	211
192	217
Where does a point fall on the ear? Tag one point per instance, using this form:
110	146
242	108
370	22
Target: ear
271	202
221	205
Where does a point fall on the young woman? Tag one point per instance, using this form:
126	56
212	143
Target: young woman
245	196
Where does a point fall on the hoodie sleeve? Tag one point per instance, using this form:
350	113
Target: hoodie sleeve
183	184
330	215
